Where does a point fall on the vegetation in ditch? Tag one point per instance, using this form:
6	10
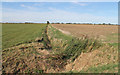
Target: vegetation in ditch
76	46
35	57
111	68
45	39
69	46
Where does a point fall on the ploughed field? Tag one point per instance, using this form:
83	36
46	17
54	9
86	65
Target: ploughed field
42	48
101	59
106	33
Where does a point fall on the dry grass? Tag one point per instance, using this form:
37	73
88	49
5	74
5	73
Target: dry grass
102	56
34	57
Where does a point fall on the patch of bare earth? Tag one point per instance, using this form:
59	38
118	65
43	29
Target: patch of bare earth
92	31
30	58
102	56
35	58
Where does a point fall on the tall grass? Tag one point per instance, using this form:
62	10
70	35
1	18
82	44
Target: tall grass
76	46
69	46
46	41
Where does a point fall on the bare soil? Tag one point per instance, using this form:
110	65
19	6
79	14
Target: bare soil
30	58
35	58
102	56
102	32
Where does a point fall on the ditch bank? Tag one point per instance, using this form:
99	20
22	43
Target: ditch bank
59	52
77	51
69	45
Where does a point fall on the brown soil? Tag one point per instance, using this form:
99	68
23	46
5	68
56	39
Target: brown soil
102	56
92	31
35	58
30	58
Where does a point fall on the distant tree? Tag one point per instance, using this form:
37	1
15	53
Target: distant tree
99	24
103	23
57	23
109	24
48	22
74	23
68	23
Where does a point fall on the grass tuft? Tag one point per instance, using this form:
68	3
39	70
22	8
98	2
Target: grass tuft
69	46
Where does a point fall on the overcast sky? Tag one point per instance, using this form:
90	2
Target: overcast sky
82	12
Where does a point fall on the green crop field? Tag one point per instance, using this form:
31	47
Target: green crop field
13	34
42	48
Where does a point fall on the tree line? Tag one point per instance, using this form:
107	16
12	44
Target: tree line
60	23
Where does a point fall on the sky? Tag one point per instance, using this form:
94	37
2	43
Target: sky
59	0
79	12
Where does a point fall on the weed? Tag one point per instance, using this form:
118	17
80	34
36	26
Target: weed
39	71
71	46
100	69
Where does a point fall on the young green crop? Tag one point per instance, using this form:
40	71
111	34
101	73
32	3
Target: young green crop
13	34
